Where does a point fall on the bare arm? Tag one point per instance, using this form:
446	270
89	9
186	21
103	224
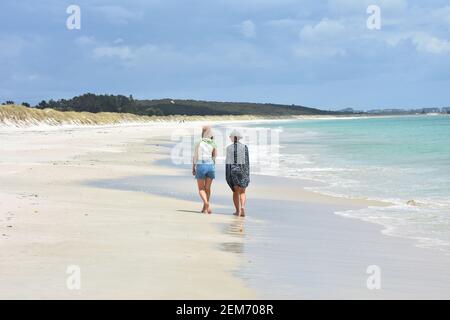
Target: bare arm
247	161
195	158
214	154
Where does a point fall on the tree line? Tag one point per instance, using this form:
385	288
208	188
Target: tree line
90	102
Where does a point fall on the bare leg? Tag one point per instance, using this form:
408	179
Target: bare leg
202	192
208	184
243	199
208	191
236	201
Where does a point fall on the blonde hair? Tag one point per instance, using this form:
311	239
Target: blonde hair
207	132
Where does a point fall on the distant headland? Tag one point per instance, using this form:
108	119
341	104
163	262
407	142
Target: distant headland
95	103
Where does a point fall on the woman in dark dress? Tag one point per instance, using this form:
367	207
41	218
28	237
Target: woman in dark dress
237	168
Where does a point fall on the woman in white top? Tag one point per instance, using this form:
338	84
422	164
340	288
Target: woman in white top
203	166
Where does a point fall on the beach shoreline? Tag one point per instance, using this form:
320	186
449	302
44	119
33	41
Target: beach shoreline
135	244
19	118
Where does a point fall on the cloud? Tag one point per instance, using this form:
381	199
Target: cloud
319	52
323	30
427	43
423	42
256	4
117	14
359	6
115	49
248	29
321	40
131	55
283	23
392	5
123	53
345	5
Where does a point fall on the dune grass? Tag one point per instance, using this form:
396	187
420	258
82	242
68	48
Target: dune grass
20	116
24	116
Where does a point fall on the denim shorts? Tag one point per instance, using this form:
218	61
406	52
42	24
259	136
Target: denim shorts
205	170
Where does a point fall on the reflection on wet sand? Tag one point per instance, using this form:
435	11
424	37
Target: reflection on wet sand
236	229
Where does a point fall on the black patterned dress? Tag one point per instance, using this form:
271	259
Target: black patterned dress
237	166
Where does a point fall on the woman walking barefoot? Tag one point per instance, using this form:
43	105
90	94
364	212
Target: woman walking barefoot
237	168
203	166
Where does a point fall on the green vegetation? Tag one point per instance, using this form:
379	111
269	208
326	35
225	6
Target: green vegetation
177	107
165	107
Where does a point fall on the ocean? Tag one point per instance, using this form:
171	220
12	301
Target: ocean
402	160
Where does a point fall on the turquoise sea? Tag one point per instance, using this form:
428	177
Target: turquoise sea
403	160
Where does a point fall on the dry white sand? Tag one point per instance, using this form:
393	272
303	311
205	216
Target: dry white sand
136	245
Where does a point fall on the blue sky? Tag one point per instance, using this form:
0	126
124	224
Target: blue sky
313	53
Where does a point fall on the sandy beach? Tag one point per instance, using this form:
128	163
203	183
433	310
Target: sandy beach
108	200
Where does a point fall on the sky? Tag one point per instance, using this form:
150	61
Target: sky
305	52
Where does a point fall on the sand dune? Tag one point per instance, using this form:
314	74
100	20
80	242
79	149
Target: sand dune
15	116
20	116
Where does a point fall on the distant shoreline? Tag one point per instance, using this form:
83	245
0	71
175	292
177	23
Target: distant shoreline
15	116
97	103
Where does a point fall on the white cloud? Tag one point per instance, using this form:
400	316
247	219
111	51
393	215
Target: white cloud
322	40
359	6
122	53
248	29
423	42
345	5
393	5
430	44
323	30
115	49
319	52
255	4
129	54
118	14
